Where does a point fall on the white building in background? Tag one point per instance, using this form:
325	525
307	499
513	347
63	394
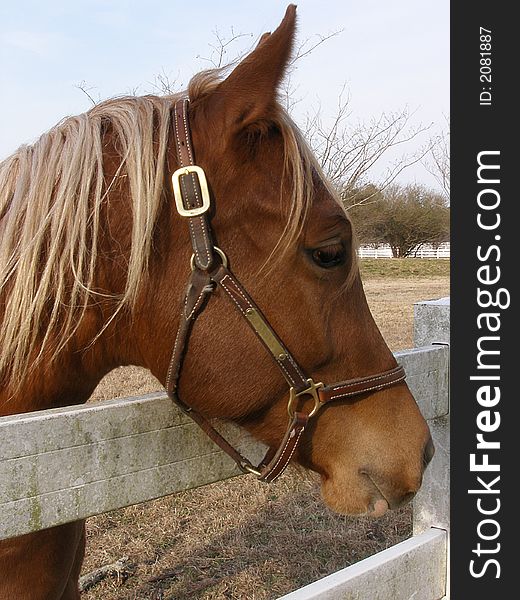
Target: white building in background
424	251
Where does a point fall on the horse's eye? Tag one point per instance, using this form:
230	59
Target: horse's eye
329	256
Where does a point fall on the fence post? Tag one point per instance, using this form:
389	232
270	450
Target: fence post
432	503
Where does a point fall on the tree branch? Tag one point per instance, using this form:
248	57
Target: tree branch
122	569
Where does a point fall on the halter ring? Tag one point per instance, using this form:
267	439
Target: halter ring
222	255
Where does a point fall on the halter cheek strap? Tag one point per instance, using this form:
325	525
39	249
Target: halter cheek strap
209	274
191	190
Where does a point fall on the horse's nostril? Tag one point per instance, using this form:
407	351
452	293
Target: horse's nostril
429	451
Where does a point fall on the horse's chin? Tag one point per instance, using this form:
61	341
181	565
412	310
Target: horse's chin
353	499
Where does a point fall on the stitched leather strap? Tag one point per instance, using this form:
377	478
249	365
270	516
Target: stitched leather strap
198	290
200	233
274	464
244	303
361	385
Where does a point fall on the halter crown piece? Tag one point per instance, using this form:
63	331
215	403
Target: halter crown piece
209	271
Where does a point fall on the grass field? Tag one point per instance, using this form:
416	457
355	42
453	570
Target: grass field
241	539
389	268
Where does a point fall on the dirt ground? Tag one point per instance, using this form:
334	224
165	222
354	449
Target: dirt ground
241	539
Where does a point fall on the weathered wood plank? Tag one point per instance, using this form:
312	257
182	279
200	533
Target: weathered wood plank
63	464
432	502
75	502
48	472
34	433
415	568
431	322
427	374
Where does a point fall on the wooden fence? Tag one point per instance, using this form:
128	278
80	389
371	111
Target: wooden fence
64	464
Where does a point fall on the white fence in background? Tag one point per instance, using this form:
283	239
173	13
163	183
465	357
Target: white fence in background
65	464
424	251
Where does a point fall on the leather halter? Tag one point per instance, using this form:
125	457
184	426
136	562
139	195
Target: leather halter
209	273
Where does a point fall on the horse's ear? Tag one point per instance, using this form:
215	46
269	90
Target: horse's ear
248	93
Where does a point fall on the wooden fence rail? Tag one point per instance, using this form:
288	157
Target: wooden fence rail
64	464
423	251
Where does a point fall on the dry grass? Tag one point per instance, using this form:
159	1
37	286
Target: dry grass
241	539
391	303
236	539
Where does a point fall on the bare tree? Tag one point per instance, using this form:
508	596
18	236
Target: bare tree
288	93
438	159
348	151
219	49
83	87
165	84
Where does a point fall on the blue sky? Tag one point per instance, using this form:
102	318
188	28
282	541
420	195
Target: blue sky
390	55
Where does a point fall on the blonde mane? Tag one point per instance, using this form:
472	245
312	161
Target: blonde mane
51	195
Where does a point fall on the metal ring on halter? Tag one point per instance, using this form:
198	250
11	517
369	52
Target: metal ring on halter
311	390
247	467
223	257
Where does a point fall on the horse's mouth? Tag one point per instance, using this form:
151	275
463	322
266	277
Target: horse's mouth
379	503
377	508
368	500
370	496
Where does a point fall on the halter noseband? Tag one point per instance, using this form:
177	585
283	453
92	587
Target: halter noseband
193	201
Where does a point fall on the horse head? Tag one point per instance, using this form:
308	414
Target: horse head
291	245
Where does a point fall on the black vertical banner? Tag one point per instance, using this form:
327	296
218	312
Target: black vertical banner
485	431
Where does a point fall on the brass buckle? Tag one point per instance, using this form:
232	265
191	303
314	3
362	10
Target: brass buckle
177	193
312	390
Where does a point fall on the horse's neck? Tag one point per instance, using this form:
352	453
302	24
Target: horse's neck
142	338
49	387
68	379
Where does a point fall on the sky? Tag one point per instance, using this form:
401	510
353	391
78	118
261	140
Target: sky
389	56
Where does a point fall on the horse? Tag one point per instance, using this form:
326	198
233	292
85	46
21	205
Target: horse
107	215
